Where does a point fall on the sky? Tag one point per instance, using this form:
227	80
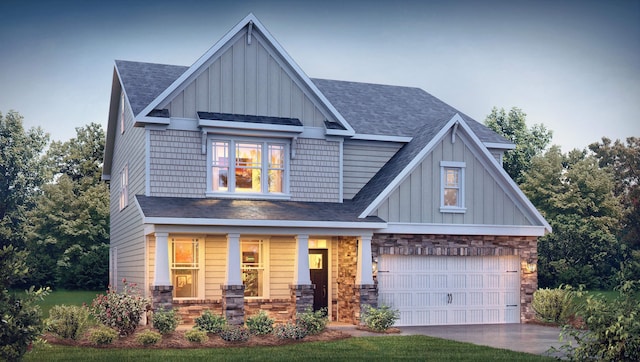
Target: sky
573	66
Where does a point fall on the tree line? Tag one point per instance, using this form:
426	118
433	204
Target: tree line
590	196
54	208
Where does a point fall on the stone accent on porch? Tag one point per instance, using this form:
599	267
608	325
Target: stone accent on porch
365	294
346	279
301	297
161	297
233	303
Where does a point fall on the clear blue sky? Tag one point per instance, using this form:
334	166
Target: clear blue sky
572	65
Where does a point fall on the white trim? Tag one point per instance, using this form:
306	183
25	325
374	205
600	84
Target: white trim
147	162
462	229
142	121
375	137
460	208
326	231
501	146
454	164
341	171
409	168
263	223
249	126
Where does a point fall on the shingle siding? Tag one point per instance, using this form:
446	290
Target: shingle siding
315	171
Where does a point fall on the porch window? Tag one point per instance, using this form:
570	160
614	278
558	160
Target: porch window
247	166
253	267
124	187
452	190
185	267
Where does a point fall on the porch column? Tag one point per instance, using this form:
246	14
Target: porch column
233	289
162	289
365	289
301	288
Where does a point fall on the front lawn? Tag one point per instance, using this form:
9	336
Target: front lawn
411	348
67	297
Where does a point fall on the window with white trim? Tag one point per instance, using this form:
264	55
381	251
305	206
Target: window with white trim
185	267
253	260
124	187
452	187
248	166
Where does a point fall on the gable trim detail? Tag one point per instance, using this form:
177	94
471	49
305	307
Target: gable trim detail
462	229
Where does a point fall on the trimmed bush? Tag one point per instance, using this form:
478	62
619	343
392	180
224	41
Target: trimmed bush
380	319
234	333
121	311
165	321
313	322
210	322
148	338
554	305
196	336
260	324
102	335
290	331
68	321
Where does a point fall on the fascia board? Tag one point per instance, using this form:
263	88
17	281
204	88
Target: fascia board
412	165
146	120
262	223
112	121
375	137
501	146
250	126
463	229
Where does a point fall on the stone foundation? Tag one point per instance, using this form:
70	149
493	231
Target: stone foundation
161	297
301	297
233	303
189	310
365	294
282	310
346	280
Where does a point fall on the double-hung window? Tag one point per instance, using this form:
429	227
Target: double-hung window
185	267
253	254
452	187
245	166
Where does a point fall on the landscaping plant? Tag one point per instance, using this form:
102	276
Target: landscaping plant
260	324
554	305
196	336
290	331
231	333
68	321
148	338
209	322
102	335
313	322
121	311
379	319
165	321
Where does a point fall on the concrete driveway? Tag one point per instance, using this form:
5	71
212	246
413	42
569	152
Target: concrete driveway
529	338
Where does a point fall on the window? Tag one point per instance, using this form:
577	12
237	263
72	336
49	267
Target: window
185	267
249	167
124	187
452	191
253	267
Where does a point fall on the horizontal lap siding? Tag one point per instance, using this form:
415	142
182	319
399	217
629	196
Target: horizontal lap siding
177	166
281	264
315	171
362	160
215	265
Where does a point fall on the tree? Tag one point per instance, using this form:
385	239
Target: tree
576	196
530	142
21	174
623	162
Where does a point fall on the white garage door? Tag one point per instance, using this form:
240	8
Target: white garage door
440	290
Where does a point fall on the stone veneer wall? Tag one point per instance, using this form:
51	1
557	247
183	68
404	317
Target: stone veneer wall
526	247
348	305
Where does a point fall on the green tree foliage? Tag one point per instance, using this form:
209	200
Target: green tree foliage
21	174
530	142
623	162
576	196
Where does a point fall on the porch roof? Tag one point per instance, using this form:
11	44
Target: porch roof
259	210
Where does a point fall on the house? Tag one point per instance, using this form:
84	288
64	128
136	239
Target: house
239	184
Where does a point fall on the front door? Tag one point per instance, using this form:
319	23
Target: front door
318	263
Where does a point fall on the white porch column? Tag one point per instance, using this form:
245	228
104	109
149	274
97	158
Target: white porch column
232	274
364	271
161	269
302	275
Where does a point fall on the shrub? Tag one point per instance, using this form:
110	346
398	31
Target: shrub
260	324
210	322
68	321
165	321
196	336
313	322
121	311
554	305
148	338
380	319
102	335
612	328
290	331
234	333
21	321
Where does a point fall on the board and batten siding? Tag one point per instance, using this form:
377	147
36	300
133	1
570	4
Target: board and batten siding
247	79
177	167
362	160
315	171
126	231
417	198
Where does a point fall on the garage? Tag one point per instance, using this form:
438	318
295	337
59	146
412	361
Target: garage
448	290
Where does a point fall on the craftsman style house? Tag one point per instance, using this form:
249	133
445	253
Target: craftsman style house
240	184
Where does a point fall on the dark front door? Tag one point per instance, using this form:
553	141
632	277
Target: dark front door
318	263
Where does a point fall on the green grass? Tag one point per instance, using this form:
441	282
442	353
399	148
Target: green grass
67	297
413	348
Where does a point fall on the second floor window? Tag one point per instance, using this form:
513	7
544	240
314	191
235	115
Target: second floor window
245	166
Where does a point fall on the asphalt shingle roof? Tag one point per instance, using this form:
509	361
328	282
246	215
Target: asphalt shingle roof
250	119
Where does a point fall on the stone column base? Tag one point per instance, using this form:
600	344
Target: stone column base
161	297
233	303
302	297
365	294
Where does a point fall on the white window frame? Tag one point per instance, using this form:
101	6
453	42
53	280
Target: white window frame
264	265
230	192
124	187
460	166
199	267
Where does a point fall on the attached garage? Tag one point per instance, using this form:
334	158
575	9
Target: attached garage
446	290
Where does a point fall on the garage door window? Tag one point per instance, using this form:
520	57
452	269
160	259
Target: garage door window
452	187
